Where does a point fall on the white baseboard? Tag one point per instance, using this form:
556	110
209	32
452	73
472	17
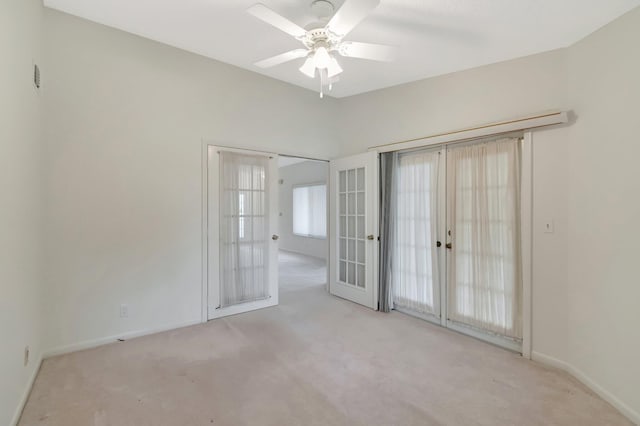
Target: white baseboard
549	360
27	392
630	413
88	344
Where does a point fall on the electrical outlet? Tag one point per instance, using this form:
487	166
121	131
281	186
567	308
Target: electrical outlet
26	355
124	311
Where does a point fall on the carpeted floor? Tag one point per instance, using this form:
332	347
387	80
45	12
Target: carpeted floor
313	360
298	272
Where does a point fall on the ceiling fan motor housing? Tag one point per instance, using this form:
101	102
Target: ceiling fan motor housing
318	37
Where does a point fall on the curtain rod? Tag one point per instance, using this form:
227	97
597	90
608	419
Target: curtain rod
264	152
530	122
303	158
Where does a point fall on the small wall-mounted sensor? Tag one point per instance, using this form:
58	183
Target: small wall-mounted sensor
36	76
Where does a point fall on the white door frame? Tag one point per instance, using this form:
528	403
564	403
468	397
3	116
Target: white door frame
210	229
526	240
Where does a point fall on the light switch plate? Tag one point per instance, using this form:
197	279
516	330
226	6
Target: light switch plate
548	226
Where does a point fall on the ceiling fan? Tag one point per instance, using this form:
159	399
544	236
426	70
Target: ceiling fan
323	41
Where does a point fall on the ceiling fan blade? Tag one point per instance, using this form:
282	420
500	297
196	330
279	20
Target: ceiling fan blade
267	15
350	15
374	52
282	58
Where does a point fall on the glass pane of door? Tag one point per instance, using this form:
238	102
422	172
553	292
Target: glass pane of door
244	228
351	227
484	276
416	274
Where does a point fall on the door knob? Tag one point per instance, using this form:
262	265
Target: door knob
438	244
449	246
275	237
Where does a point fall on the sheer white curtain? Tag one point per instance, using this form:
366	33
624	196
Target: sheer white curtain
310	210
484	273
243	228
415	281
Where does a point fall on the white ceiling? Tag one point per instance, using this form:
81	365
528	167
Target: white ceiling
432	37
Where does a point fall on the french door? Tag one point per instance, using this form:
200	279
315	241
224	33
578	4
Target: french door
456	239
354	228
242	205
484	273
418	263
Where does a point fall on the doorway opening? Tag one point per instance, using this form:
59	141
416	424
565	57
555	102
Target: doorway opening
265	229
303	225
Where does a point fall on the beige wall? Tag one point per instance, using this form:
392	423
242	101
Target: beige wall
21	201
124	127
604	208
292	175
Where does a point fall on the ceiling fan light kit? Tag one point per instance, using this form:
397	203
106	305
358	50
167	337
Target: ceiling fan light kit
309	67
323	44
334	68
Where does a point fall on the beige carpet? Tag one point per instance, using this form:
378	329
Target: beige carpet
313	360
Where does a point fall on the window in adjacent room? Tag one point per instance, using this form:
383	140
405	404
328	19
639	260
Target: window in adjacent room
310	210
